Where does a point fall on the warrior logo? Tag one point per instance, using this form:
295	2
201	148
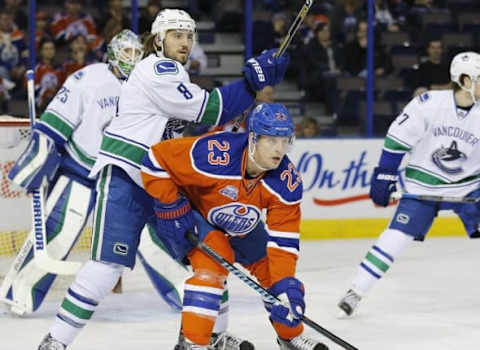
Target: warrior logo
449	159
235	218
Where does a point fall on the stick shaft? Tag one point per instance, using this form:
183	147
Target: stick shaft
400	195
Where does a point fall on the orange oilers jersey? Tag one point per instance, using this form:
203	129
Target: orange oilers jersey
210	171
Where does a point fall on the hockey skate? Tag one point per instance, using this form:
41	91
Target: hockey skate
349	302
300	342
50	343
227	341
185	344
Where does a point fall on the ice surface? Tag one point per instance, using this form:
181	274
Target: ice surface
429	299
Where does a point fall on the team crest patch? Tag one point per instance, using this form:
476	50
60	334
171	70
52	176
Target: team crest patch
120	248
166	67
235	218
230	192
424	97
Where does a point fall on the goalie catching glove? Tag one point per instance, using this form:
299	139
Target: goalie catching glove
40	160
291	291
174	221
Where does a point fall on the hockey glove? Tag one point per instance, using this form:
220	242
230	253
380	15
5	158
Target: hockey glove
382	185
39	161
265	69
174	220
291	291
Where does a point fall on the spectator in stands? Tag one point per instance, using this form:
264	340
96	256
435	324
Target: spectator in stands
148	15
13	50
322	65
414	20
344	20
356	55
71	22
114	13
17	10
228	15
80	56
47	75
308	128
42	29
197	62
433	74
383	17
307	30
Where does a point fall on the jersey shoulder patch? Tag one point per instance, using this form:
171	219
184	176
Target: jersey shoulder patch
163	67
219	154
422	98
285	182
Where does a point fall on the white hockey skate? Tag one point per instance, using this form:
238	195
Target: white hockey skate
185	344
227	341
349	303
300	342
50	343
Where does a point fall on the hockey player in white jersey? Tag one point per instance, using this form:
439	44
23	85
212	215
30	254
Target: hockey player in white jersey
155	103
441	132
71	128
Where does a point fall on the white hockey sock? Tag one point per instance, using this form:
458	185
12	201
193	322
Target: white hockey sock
379	259
92	283
221	323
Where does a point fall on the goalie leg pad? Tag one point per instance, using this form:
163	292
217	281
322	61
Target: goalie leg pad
94	281
166	274
67	210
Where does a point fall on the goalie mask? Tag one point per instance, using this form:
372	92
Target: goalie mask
124	51
466	63
273	120
171	19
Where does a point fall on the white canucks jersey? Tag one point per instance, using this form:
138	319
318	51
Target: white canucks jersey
443	142
155	101
82	108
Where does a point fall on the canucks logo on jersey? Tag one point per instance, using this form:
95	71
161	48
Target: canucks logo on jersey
235	218
449	159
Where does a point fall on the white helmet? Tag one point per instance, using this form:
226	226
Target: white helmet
171	19
117	53
467	63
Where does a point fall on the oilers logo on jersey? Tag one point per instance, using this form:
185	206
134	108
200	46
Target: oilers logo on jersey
235	218
449	159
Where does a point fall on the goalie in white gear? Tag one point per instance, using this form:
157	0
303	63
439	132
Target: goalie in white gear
71	130
441	132
155	103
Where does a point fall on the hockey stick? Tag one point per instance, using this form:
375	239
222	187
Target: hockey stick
267	296
294	27
400	195
284	45
42	259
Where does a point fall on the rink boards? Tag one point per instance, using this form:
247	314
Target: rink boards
336	177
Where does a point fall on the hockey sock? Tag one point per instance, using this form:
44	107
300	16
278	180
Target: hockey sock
221	323
93	282
379	259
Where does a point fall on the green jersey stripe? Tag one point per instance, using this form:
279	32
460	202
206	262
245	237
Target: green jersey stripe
391	144
211	116
57	123
429	179
123	149
82	155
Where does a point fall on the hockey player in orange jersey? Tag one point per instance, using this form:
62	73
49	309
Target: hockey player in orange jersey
228	179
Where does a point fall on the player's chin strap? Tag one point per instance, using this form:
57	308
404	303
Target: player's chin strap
471	90
252	145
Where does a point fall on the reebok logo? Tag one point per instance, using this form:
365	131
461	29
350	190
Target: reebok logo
258	69
387	177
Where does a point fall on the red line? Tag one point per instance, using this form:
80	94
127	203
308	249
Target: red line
340	201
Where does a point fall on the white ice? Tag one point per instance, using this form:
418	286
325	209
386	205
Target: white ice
430	299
